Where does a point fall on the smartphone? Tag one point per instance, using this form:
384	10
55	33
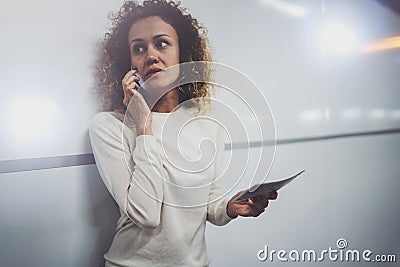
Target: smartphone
141	89
140	81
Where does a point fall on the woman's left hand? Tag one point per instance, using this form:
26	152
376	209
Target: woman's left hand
247	208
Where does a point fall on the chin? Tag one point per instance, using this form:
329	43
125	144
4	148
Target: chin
161	82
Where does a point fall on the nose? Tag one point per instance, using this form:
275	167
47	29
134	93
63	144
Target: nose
152	55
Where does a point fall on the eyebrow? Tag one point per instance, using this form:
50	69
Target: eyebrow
154	37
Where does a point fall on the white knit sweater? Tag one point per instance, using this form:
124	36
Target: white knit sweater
164	184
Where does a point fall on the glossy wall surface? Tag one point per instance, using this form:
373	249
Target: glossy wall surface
336	109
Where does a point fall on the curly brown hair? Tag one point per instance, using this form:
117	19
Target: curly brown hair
114	59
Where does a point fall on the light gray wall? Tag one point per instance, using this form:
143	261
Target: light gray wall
332	113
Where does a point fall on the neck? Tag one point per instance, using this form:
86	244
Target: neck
168	102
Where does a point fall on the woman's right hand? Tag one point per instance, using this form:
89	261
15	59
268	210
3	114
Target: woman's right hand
136	104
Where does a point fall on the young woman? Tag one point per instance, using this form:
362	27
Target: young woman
164	192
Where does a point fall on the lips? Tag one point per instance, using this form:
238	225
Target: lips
151	72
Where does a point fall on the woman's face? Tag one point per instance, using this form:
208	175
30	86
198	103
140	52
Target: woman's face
153	46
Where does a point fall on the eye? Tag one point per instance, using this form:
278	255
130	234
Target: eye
161	44
138	49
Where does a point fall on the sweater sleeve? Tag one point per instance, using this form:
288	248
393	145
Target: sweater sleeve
132	176
216	209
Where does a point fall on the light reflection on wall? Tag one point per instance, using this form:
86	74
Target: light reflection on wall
31	119
312	115
394	114
374	114
335	36
286	7
351	113
377	114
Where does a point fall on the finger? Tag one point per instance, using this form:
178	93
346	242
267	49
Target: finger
128	79
260	206
128	75
133	86
255	210
262	202
130	86
131	79
243	201
237	194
